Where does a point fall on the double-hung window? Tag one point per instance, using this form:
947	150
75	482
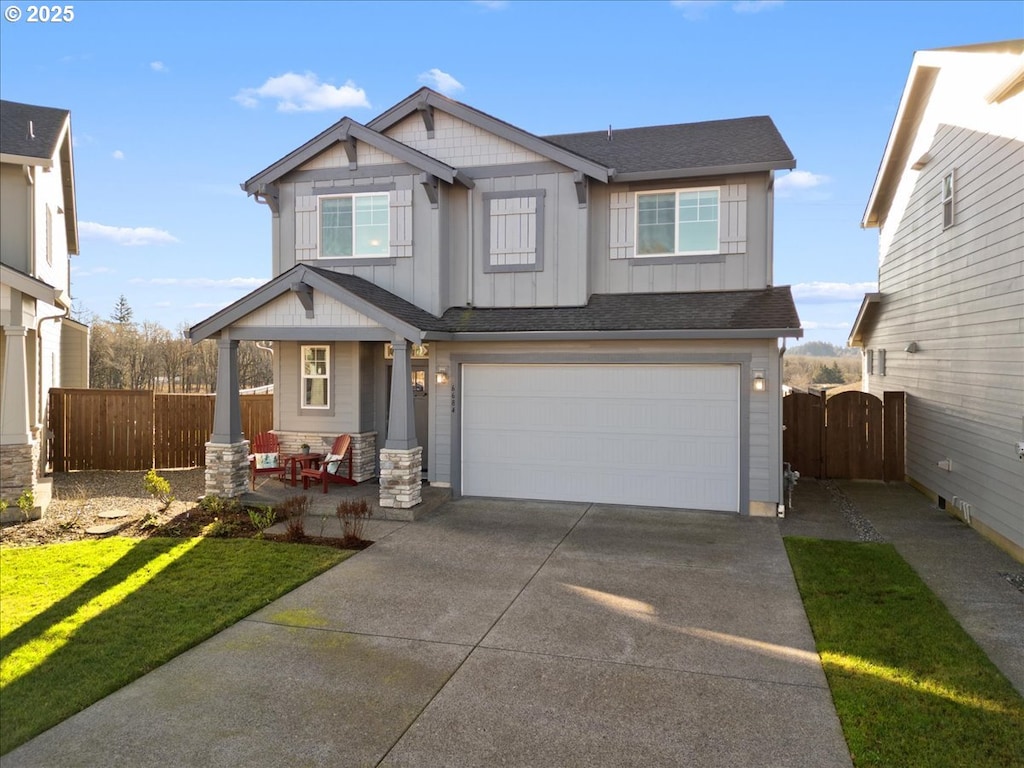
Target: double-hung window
677	222
315	367
354	226
948	197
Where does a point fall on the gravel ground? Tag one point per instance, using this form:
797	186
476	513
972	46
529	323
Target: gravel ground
80	497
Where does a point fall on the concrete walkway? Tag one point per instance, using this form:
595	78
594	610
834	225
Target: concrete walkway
974	578
497	633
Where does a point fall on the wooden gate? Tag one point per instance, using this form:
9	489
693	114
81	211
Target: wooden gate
852	435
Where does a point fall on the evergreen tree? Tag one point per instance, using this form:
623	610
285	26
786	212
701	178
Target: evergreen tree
122	312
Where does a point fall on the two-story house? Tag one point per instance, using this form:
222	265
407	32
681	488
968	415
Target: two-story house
947	322
40	346
584	317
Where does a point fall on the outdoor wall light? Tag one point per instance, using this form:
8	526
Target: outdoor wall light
760	385
442	375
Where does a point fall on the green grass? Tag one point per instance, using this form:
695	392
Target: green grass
81	620
910	686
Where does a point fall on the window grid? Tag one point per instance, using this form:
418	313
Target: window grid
315	367
678	222
355	225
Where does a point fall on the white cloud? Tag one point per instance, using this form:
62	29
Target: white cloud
694	10
441	81
822	293
795	181
814	325
755	6
158	66
117	154
303	93
125	235
492	5
241	283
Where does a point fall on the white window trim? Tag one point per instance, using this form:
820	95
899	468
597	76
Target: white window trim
320	226
303	377
949	199
675	233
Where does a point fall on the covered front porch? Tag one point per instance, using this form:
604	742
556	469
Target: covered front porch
331	378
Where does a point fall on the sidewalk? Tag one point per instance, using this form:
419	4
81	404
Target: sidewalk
968	573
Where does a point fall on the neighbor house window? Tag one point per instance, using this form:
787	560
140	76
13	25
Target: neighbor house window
948	196
353	226
677	222
881	362
315	365
869	356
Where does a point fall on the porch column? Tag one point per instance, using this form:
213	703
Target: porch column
14	411
227	453
401	458
19	452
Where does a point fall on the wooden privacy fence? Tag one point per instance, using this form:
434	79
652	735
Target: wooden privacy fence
852	435
139	429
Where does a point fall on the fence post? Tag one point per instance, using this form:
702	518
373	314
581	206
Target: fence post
893	435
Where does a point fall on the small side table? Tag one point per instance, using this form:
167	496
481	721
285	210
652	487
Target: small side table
295	462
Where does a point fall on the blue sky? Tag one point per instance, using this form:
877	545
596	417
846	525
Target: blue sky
174	104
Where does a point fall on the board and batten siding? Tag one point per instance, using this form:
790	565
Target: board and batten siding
743	262
765	408
345	413
562	280
959	294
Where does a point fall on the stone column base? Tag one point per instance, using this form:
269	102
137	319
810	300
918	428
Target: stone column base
19	464
364	449
400	482
227	469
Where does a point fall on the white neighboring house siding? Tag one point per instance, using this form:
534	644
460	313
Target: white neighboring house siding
959	294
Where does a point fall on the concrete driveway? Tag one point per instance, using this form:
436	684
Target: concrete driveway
497	633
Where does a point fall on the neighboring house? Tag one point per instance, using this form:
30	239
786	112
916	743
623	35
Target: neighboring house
947	323
584	317
40	347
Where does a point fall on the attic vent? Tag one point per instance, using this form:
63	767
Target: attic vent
31	133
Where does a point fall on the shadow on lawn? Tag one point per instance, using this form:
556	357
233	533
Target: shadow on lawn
176	604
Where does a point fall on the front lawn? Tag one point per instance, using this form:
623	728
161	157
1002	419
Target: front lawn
910	685
81	620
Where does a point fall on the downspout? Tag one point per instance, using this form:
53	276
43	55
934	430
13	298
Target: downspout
39	377
469	251
781	507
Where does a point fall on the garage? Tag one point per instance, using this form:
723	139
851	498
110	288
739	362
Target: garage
650	435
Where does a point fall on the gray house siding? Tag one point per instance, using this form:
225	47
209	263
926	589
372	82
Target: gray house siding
743	260
345	411
764	408
959	294
15	202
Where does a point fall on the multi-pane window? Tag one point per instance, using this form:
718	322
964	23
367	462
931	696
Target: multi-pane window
315	367
948	194
677	222
354	225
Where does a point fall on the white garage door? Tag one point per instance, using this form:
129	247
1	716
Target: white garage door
650	435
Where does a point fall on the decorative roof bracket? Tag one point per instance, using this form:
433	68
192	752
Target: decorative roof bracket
429	182
580	180
427	113
305	295
350	150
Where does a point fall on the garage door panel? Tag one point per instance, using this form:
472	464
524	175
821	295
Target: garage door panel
658	435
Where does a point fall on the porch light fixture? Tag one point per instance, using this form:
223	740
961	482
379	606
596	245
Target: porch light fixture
760	385
442	375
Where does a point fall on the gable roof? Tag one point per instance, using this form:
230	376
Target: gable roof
341	132
763	313
28	131
34	135
686	149
917	93
425	98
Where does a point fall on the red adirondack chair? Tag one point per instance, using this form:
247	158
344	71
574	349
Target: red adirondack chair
265	458
336	466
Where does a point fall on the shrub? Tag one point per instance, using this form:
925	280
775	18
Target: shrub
158	488
218	505
261	519
26	501
294	510
353	514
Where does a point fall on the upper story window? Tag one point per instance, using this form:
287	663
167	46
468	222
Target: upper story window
354	226
315	366
948	197
677	222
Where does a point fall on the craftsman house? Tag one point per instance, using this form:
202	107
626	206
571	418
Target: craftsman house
947	322
586	317
40	346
